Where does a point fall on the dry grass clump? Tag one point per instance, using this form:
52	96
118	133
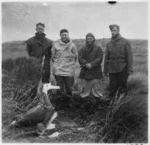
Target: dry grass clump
25	75
127	116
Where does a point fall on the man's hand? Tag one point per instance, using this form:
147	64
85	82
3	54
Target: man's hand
88	66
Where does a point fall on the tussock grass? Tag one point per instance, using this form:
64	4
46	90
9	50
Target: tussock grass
25	75
138	83
127	116
124	120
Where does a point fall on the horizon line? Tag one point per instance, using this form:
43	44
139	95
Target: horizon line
80	39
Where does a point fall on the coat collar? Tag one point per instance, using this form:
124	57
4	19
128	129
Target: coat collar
63	46
62	43
89	49
40	35
116	39
40	38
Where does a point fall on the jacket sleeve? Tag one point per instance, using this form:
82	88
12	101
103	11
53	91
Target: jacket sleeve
28	47
129	56
81	58
106	60
53	52
46	65
99	58
75	52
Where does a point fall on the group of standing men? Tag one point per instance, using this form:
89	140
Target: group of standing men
118	62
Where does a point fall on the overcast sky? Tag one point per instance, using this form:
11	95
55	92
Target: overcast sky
19	19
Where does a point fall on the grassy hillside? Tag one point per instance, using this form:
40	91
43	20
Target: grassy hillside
16	49
124	121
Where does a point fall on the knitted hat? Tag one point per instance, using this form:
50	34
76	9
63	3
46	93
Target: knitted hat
63	30
42	24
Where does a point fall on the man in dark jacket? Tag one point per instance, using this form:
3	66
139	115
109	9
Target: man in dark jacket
90	59
118	62
39	47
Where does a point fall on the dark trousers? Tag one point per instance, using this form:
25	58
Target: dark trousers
117	82
64	95
66	84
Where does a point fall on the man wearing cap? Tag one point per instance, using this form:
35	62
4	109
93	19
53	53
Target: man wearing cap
90	59
118	62
64	57
39	49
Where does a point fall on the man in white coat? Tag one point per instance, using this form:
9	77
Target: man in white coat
64	57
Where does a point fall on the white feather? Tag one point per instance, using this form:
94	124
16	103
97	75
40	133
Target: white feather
49	124
54	135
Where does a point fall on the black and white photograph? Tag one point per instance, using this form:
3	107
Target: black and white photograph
74	72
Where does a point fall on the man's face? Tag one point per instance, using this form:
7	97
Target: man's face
114	31
64	36
89	40
40	29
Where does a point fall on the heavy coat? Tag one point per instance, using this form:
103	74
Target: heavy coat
64	57
118	56
94	56
41	48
